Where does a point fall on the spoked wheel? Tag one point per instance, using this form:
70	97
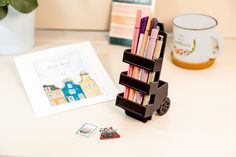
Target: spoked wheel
165	105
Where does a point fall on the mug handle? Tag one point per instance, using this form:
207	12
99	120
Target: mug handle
220	43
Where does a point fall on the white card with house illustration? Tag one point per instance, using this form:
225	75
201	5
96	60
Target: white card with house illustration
64	78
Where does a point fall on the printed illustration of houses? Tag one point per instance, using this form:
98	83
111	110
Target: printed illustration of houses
54	94
72	91
89	86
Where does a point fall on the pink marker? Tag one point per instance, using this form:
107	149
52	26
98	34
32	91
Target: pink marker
149	53
136	32
134	46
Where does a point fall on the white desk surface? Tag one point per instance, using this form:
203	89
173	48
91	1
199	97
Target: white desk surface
200	122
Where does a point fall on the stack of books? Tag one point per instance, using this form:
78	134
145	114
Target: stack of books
123	18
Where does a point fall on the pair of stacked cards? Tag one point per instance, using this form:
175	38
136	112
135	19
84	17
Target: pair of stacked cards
64	78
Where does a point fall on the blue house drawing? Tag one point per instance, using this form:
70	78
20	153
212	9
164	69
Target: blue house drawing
72	92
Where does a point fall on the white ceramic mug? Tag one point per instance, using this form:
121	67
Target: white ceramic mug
196	41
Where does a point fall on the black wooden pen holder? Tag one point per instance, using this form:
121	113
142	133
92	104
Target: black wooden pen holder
158	90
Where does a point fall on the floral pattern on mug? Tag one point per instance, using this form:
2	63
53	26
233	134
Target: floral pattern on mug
186	52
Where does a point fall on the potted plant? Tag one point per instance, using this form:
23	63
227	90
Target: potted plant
17	21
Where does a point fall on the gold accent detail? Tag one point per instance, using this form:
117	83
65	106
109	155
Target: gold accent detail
192	66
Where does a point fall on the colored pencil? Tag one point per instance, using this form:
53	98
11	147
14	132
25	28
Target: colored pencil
136	70
134	46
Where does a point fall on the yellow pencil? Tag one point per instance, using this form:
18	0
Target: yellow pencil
136	70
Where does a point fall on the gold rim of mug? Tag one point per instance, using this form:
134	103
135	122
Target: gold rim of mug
195	28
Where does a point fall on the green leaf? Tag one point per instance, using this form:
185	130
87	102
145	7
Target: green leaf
194	46
4	2
3	12
24	6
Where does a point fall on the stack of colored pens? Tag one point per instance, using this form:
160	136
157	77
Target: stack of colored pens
146	43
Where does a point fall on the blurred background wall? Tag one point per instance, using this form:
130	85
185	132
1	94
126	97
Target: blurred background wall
95	14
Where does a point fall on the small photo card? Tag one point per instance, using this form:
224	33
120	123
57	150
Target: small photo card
87	130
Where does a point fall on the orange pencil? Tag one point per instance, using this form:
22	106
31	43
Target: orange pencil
134	46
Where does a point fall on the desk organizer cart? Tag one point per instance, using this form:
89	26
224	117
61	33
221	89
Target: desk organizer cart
158	89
